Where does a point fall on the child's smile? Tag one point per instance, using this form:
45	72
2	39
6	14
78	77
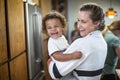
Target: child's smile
54	28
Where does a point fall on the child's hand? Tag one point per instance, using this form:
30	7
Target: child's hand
77	55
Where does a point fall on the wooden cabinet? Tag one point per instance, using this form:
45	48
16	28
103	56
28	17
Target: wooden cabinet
16	27
45	8
3	42
18	68
13	61
4	72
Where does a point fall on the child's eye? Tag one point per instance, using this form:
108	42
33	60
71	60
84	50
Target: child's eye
56	26
49	28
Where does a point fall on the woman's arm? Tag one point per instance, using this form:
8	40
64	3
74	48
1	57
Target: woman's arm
59	56
58	68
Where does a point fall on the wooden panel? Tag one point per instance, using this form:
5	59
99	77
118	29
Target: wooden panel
46	56
3	45
45	8
18	68
16	26
4	72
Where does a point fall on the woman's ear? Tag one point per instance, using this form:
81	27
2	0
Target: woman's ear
97	23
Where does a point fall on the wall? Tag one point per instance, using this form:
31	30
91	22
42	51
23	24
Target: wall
73	8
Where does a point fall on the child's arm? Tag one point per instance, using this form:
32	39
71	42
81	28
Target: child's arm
48	62
65	57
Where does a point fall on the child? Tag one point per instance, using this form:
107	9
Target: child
53	25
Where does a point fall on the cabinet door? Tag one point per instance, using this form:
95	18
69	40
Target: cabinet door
3	45
16	26
4	72
18	68
45	7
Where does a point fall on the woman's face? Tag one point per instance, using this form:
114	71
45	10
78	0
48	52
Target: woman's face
85	23
54	28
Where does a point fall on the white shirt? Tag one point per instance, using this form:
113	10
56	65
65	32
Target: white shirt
94	50
58	44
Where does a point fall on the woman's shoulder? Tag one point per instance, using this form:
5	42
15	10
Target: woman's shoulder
78	41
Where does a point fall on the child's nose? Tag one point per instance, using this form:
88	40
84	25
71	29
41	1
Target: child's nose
53	29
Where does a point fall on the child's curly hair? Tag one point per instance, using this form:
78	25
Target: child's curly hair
53	15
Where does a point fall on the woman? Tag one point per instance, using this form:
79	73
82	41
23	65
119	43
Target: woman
92	45
112	37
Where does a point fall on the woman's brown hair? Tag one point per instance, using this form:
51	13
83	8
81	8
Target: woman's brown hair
97	13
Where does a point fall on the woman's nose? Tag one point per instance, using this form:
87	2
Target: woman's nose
78	25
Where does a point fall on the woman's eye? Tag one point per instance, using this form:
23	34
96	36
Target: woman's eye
83	21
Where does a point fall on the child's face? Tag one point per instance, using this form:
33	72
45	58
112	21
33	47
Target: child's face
85	23
54	28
